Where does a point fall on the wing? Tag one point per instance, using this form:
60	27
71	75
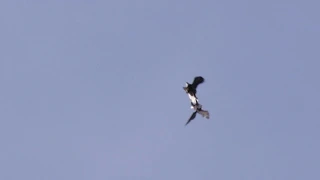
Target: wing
192	117
204	113
196	81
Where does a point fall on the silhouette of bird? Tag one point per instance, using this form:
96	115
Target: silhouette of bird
191	89
198	109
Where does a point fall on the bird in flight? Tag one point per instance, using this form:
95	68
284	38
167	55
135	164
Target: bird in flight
191	89
198	109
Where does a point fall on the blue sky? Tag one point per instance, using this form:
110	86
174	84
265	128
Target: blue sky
93	90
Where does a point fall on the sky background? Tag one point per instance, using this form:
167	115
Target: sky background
93	90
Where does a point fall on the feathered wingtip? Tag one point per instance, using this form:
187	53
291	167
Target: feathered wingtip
197	80
191	117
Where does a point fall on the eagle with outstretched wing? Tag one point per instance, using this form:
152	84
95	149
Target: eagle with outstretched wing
192	88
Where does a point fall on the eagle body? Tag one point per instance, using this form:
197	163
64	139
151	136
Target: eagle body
191	90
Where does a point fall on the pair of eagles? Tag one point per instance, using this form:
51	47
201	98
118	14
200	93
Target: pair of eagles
191	90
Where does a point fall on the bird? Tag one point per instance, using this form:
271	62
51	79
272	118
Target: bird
191	89
198	109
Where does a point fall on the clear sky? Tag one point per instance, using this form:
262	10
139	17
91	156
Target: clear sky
92	90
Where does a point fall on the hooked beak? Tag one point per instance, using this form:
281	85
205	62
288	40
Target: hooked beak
186	87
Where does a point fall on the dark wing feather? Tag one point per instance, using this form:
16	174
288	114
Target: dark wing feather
197	80
192	117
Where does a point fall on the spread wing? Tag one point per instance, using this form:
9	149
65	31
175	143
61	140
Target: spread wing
196	81
204	113
192	117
